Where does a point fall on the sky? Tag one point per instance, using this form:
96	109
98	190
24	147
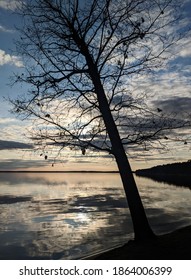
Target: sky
172	84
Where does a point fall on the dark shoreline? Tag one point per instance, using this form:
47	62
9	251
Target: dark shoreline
171	169
177	174
175	245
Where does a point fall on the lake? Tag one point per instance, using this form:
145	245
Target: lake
73	215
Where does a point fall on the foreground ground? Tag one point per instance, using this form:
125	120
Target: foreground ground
171	246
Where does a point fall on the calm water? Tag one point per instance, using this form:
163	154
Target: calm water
69	216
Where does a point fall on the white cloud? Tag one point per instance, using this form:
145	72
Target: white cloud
185	52
9	4
5	121
3	29
183	47
6	58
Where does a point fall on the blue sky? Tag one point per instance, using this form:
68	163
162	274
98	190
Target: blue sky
173	86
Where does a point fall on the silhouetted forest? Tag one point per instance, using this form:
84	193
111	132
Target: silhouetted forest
178	174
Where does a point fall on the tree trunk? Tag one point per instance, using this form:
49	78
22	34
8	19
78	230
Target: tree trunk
141	226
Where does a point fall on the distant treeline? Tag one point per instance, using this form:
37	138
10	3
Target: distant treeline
180	168
178	173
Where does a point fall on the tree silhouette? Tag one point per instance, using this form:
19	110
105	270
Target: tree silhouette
80	57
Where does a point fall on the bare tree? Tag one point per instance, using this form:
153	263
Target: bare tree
80	57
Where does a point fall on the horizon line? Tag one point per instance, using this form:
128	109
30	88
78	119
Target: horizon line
58	171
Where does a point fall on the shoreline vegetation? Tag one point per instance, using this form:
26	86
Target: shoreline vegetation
178	174
180	168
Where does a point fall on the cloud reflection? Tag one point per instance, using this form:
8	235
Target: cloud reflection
69	216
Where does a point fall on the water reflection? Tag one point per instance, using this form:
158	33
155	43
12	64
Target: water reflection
171	179
61	216
168	207
52	216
